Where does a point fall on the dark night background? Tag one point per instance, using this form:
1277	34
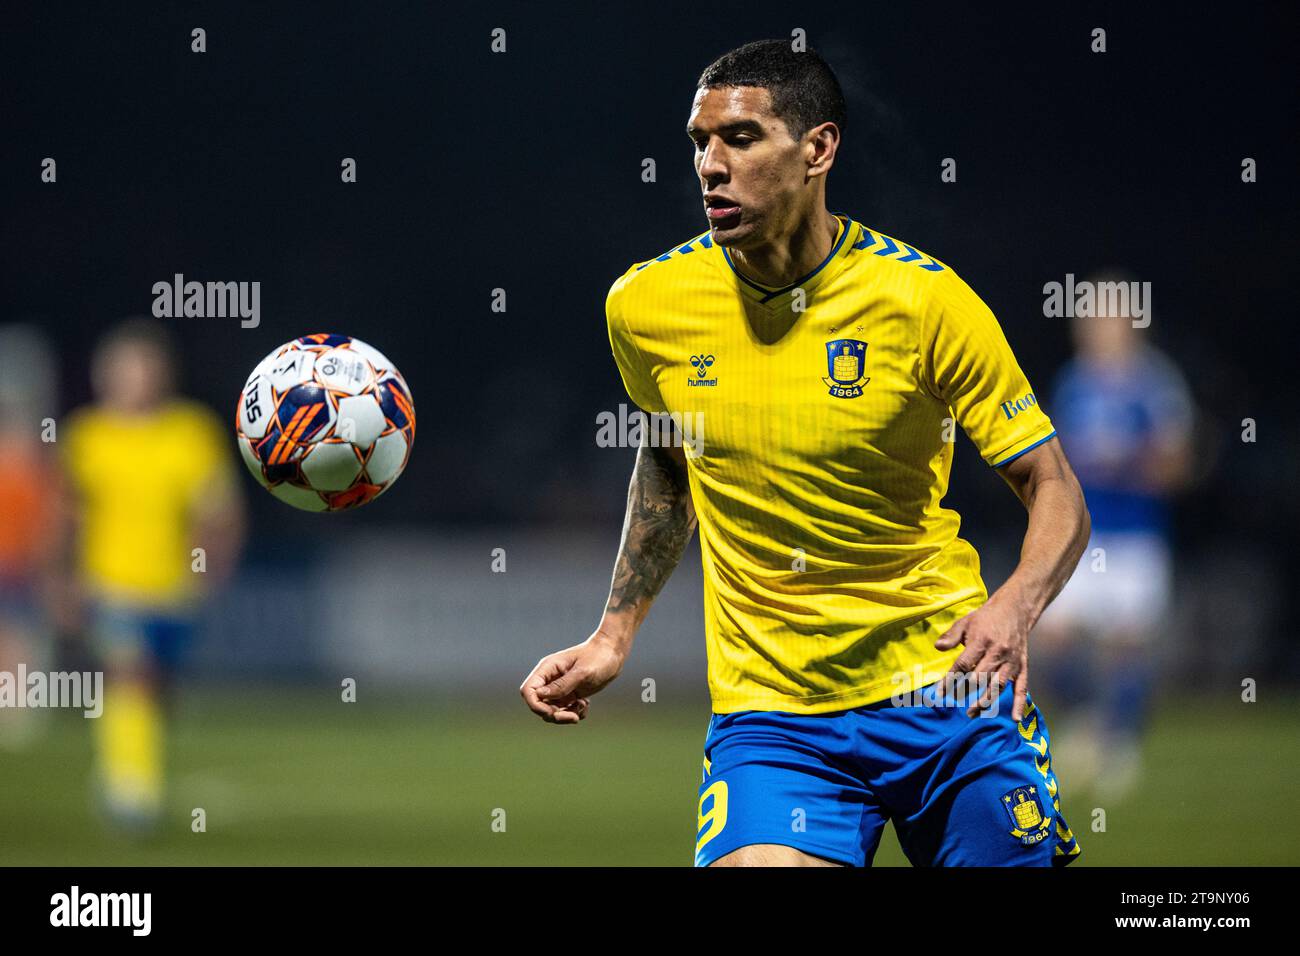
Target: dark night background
522	171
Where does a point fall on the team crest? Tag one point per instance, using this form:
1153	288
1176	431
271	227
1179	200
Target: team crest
1028	824
846	360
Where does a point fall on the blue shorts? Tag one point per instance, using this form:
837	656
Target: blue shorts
128	634
18	603
962	791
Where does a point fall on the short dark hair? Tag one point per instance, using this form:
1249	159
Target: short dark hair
802	85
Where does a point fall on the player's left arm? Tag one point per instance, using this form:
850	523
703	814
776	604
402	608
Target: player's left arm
220	524
996	636
217	506
968	363
1166	466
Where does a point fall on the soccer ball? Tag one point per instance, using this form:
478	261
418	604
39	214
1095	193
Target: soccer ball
325	423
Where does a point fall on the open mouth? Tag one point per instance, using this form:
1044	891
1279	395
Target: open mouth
719	209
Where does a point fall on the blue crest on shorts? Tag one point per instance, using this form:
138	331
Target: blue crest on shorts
1025	811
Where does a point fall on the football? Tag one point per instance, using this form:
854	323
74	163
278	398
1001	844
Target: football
325	423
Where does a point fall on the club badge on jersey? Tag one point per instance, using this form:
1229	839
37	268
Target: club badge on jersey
846	361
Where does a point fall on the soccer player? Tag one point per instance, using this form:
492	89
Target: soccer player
1128	416
152	477
27	516
828	363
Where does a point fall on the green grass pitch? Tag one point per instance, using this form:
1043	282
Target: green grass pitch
288	778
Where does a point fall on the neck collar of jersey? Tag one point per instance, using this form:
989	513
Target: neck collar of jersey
830	265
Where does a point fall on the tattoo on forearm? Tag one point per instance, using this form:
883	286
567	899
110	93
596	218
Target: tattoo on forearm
660	521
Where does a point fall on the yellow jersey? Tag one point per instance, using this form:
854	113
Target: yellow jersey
138	481
820	424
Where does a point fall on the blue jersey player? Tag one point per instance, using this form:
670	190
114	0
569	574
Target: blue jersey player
1124	415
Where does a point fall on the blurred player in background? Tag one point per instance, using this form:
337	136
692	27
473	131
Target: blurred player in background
27	513
1125	416
152	478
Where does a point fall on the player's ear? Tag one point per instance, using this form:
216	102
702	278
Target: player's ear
823	141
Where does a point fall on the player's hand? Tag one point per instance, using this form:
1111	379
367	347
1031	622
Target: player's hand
558	687
996	640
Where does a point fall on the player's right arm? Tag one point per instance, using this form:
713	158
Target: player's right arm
659	522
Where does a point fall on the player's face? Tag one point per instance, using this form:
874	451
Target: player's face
131	376
751	170
1104	338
